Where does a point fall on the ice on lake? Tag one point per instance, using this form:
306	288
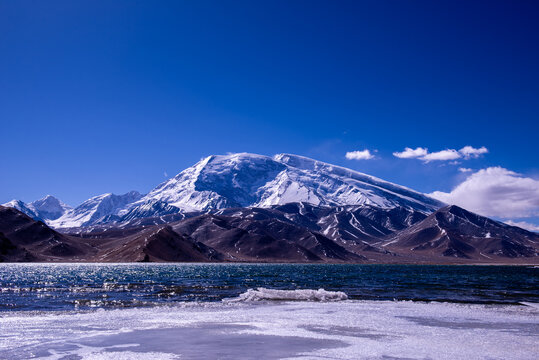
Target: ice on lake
277	330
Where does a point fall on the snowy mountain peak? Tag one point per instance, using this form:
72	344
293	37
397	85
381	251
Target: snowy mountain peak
49	207
22	207
243	180
45	209
95	208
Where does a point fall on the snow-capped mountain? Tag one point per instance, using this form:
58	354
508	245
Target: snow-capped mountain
22	207
241	180
50	208
45	209
249	180
94	209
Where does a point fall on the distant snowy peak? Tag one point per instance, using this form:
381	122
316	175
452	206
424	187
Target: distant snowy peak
94	209
22	207
50	208
247	180
45	209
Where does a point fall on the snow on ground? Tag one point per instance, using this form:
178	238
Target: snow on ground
277	330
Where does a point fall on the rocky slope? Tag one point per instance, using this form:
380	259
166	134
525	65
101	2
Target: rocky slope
262	237
294	234
455	232
24	239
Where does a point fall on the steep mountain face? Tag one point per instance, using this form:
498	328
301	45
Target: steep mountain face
249	180
353	227
46	209
146	209
455	232
95	209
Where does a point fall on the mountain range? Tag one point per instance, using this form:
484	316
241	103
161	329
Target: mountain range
237	180
247	207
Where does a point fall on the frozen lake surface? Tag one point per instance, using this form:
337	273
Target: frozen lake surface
348	329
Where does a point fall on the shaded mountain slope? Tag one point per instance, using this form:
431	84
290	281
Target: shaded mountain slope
33	239
258	236
290	233
157	244
455	232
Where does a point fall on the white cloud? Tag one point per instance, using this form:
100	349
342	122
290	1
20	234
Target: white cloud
524	225
359	155
448	154
471	152
495	191
466	152
409	153
465	170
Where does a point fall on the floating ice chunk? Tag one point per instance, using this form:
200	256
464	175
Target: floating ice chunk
263	294
530	304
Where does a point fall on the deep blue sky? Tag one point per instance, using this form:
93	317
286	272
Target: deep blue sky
107	96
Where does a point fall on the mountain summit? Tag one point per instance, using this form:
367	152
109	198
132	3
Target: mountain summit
46	209
249	180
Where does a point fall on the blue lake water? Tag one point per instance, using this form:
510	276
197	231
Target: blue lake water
52	287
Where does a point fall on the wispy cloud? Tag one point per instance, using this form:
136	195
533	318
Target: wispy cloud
410	153
465	170
495	191
471	152
466	152
448	154
524	225
359	155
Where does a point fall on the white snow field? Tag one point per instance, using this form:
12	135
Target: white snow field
277	330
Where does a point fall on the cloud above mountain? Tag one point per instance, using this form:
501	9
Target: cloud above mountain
410	153
359	155
523	224
448	154
467	152
495	191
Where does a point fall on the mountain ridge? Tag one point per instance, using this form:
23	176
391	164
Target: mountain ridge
293	232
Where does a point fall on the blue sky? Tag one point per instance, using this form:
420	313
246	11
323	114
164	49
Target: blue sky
108	96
